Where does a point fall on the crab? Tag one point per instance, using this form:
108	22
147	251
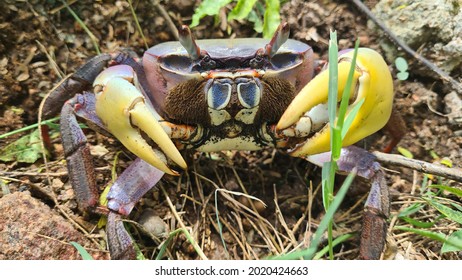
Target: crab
214	95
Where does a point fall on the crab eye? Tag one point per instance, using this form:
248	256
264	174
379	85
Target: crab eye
207	63
218	95
249	94
256	62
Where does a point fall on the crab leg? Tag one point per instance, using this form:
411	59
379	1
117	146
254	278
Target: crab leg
374	85
128	116
376	210
128	189
78	82
77	152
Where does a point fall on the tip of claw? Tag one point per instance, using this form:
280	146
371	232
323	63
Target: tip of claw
285	122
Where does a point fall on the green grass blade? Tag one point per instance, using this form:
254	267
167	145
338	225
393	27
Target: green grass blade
433	235
26	128
335	242
333	80
414	208
417	223
454	238
165	244
455	191
93	38
83	253
138	26
323	225
347	90
451	214
350	117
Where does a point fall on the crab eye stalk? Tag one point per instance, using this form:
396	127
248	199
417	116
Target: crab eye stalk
207	63
279	38
188	42
257	62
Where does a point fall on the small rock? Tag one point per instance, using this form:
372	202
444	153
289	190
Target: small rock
453	108
153	224
30	230
434	25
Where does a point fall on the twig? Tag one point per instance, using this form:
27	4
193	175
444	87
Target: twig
138	24
170	23
421	166
180	222
93	38
444	76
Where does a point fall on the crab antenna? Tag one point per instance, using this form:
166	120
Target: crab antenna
187	41
279	38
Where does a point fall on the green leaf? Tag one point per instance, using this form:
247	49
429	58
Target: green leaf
449	189
405	152
208	8
309	253
257	22
83	253
417	223
333	81
457	206
328	175
410	210
446	162
401	64
342	111
430	234
272	18
338	240
242	9
26	149
402	76
453	243
451	214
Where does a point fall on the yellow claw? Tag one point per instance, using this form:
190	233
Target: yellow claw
121	107
375	87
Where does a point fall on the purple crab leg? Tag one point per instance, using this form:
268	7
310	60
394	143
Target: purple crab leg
77	152
128	189
123	195
377	207
78	82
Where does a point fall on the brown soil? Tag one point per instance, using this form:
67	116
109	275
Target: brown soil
41	43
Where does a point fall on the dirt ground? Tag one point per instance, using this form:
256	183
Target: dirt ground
41	43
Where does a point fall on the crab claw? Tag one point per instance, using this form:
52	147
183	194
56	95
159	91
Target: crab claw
130	118
372	83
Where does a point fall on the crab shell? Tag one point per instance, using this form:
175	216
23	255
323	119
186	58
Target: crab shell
230	90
